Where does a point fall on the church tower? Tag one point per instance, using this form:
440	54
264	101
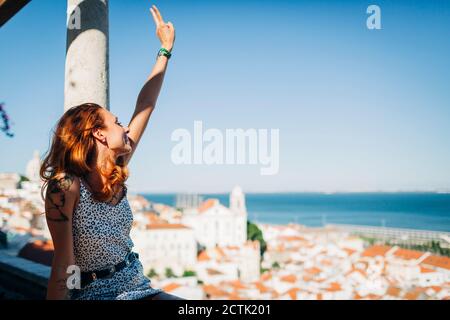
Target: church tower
33	167
237	206
237	201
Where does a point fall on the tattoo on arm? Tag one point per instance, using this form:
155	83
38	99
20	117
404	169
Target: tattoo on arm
56	195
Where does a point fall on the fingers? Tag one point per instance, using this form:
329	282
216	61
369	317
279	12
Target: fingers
155	17
158	14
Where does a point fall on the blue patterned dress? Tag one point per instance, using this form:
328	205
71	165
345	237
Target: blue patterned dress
101	235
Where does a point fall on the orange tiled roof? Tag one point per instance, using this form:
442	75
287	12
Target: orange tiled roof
212	271
207	205
411	295
313	270
334	286
203	256
357	297
275	294
292	293
171	286
252	243
235	296
362	272
289	278
436	288
408	254
307	278
237	284
261	287
154	218
220	252
212	290
425	270
376	250
349	251
291	238
437	261
266	276
7	211
393	291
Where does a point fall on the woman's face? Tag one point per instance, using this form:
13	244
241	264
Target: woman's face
115	134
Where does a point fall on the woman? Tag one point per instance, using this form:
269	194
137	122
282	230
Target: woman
86	207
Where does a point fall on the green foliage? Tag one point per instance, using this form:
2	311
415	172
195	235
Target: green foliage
276	265
189	273
433	247
263	270
169	273
22	179
152	273
254	233
370	241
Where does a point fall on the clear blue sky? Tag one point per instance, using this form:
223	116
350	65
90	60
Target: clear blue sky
357	109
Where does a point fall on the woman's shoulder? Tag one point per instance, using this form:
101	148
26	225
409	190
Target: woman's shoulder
64	182
62	197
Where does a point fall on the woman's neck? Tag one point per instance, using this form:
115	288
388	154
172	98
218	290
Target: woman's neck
95	179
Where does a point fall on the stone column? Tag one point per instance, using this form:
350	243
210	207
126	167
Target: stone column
87	53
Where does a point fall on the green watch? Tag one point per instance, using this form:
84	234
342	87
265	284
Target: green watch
164	52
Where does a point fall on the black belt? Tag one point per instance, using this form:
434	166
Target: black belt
89	276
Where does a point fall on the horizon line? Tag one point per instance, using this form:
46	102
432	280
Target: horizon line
434	191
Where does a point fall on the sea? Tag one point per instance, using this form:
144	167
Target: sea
411	210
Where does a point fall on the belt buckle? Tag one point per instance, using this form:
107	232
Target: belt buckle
112	270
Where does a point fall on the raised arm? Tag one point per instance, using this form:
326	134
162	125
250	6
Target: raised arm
61	196
148	95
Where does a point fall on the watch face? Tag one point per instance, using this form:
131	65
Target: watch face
162	53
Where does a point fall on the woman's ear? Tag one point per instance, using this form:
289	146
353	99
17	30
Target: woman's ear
98	134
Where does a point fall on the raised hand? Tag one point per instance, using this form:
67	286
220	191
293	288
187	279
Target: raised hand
164	31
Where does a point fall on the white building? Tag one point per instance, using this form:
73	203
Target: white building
216	225
162	246
33	167
250	261
219	264
9	182
186	287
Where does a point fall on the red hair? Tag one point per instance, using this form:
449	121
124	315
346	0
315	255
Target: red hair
73	150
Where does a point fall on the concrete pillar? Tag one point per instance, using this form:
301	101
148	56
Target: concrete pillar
87	53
